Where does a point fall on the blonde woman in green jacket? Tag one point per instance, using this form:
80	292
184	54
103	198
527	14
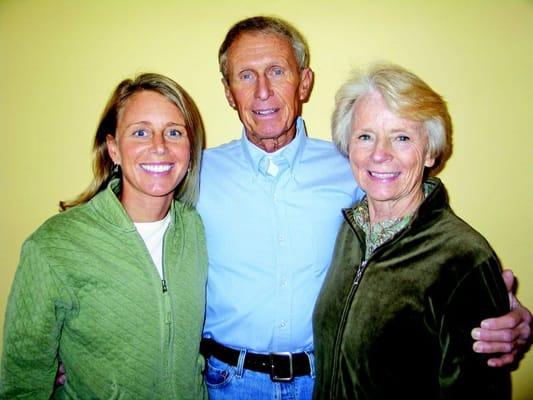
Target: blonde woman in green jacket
114	287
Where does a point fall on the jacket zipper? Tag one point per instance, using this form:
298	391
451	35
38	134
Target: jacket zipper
361	268
167	316
359	274
340	331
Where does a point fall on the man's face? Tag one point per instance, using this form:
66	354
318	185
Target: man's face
266	88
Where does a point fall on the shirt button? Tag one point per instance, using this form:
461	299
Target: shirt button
283	324
281	238
283	283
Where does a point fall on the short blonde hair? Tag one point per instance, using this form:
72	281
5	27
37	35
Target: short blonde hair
406	95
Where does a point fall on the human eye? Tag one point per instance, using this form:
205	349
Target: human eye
140	133
403	138
361	139
246	76
174	133
277	71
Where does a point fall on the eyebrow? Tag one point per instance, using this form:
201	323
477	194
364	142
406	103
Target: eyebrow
149	123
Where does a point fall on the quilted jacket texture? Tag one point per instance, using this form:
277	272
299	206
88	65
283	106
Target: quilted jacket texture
86	292
398	324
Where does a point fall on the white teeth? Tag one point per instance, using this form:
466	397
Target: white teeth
383	175
265	112
156	167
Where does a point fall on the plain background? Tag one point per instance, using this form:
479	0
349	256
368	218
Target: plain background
60	59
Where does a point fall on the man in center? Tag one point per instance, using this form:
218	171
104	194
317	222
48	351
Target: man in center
271	203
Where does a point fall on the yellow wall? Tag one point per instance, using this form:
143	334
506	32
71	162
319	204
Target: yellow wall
59	60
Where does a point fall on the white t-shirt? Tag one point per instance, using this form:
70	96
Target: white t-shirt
152	233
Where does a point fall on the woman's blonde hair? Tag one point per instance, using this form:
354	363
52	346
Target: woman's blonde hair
103	166
407	96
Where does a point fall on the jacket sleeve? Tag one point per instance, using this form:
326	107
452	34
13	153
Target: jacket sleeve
464	374
32	329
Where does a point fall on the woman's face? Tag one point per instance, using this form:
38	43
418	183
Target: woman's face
388	154
151	146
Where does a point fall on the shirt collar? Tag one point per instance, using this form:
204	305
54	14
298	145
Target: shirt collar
291	152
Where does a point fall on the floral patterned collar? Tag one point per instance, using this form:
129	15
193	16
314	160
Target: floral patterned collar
383	231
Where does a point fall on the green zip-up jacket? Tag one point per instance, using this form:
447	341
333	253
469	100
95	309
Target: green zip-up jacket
86	292
398	324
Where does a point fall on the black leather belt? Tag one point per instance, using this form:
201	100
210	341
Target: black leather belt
282	366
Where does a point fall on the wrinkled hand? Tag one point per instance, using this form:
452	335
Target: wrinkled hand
509	334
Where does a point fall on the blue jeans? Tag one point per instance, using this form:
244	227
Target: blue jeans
227	382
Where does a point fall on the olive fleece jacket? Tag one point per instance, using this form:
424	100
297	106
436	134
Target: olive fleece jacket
86	292
398	324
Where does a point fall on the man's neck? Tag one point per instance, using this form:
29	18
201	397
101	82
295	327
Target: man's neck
270	145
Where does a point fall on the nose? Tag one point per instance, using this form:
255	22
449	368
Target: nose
262	88
382	151
159	144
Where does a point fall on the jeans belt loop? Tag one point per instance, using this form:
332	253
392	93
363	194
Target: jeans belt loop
273	376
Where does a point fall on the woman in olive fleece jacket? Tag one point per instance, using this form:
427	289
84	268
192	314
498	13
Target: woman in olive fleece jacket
403	326
113	288
409	279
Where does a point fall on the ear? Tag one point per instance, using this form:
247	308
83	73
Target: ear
306	83
430	161
112	149
229	95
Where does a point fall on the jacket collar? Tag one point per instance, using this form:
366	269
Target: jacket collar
434	203
107	204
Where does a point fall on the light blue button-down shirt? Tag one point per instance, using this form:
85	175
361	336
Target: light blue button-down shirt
270	238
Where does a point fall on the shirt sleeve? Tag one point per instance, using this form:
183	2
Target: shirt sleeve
464	374
32	329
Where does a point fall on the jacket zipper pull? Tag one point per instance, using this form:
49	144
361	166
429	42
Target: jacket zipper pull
359	273
164	285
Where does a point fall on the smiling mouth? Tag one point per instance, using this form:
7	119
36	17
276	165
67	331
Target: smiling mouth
383	175
157	168
266	112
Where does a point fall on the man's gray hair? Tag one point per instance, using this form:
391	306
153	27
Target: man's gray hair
268	26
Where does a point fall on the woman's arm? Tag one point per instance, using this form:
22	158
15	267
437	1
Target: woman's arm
32	329
465	374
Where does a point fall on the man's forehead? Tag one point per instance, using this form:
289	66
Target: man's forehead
258	37
254	46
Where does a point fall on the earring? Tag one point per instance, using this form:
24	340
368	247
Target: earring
114	171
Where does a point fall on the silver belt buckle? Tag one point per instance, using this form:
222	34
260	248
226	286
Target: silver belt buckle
273	376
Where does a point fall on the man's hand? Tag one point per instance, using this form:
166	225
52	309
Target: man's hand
61	377
509	334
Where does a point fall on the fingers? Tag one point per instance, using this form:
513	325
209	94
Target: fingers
61	378
493	347
506	359
519	317
519	334
509	279
510	284
502	340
